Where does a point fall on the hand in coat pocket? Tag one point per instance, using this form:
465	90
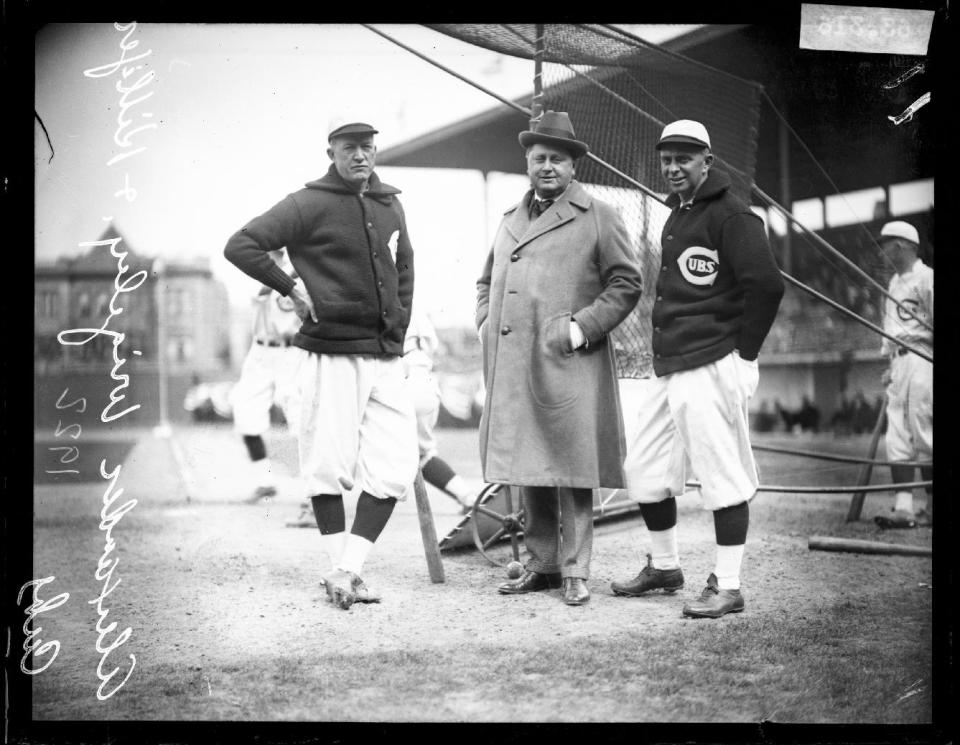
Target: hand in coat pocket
555	371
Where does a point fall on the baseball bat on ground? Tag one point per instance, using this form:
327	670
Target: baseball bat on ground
428	531
853	545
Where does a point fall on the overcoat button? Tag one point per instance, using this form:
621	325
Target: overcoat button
505	330
515	257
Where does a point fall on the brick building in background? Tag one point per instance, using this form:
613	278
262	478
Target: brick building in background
186	311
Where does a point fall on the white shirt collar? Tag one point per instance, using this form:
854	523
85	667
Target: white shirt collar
913	267
538	198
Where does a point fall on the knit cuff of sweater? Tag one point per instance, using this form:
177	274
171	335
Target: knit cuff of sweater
280	280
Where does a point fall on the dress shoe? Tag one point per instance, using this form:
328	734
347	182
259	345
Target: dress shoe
575	591
650	578
714	602
530	582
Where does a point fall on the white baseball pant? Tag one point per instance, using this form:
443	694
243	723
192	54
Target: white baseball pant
691	423
357	425
910	409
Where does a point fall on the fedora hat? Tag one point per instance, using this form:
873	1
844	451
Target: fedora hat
554	128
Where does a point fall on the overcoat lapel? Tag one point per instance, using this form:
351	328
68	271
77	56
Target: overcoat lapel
523	230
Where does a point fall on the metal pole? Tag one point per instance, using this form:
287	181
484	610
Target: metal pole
163	424
536	104
785	197
163	429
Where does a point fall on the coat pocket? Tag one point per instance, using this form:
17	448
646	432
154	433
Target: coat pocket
556	376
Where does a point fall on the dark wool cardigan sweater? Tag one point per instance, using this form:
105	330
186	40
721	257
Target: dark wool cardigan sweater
337	240
719	286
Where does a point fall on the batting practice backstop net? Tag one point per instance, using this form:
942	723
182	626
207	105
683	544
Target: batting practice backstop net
619	92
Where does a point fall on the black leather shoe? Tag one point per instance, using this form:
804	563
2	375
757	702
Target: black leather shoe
530	582
668	580
575	591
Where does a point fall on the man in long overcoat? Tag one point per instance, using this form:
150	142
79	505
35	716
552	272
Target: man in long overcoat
560	276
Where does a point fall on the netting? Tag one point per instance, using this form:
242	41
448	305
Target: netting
619	92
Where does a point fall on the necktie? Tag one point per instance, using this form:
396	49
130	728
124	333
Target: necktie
540	206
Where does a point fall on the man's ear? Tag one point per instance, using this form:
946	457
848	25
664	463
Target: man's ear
330	153
708	160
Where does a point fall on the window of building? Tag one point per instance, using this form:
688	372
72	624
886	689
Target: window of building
856	206
179	349
809	212
911	197
83	304
103	305
46	304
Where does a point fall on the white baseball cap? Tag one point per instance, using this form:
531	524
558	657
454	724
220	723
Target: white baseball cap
684	131
900	229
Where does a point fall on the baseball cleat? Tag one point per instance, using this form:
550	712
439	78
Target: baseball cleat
714	602
364	594
896	519
649	579
339	587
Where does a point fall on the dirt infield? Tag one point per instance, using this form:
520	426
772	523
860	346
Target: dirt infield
229	623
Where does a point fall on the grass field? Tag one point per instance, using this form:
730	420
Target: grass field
229	623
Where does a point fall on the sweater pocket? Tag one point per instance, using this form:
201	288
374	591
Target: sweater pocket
343	320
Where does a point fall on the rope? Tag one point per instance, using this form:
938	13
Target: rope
841	458
832	489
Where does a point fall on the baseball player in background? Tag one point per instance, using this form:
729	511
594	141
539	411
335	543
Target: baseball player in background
909	378
346	236
717	295
266	378
419	351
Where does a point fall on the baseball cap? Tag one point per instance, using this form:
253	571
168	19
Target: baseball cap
685	131
900	229
340	127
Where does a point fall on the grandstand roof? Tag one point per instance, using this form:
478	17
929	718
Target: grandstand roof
833	101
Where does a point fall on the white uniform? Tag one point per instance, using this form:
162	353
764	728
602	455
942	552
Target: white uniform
419	348
368	399
696	417
267	375
910	392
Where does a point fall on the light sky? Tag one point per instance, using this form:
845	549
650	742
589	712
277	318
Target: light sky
230	118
